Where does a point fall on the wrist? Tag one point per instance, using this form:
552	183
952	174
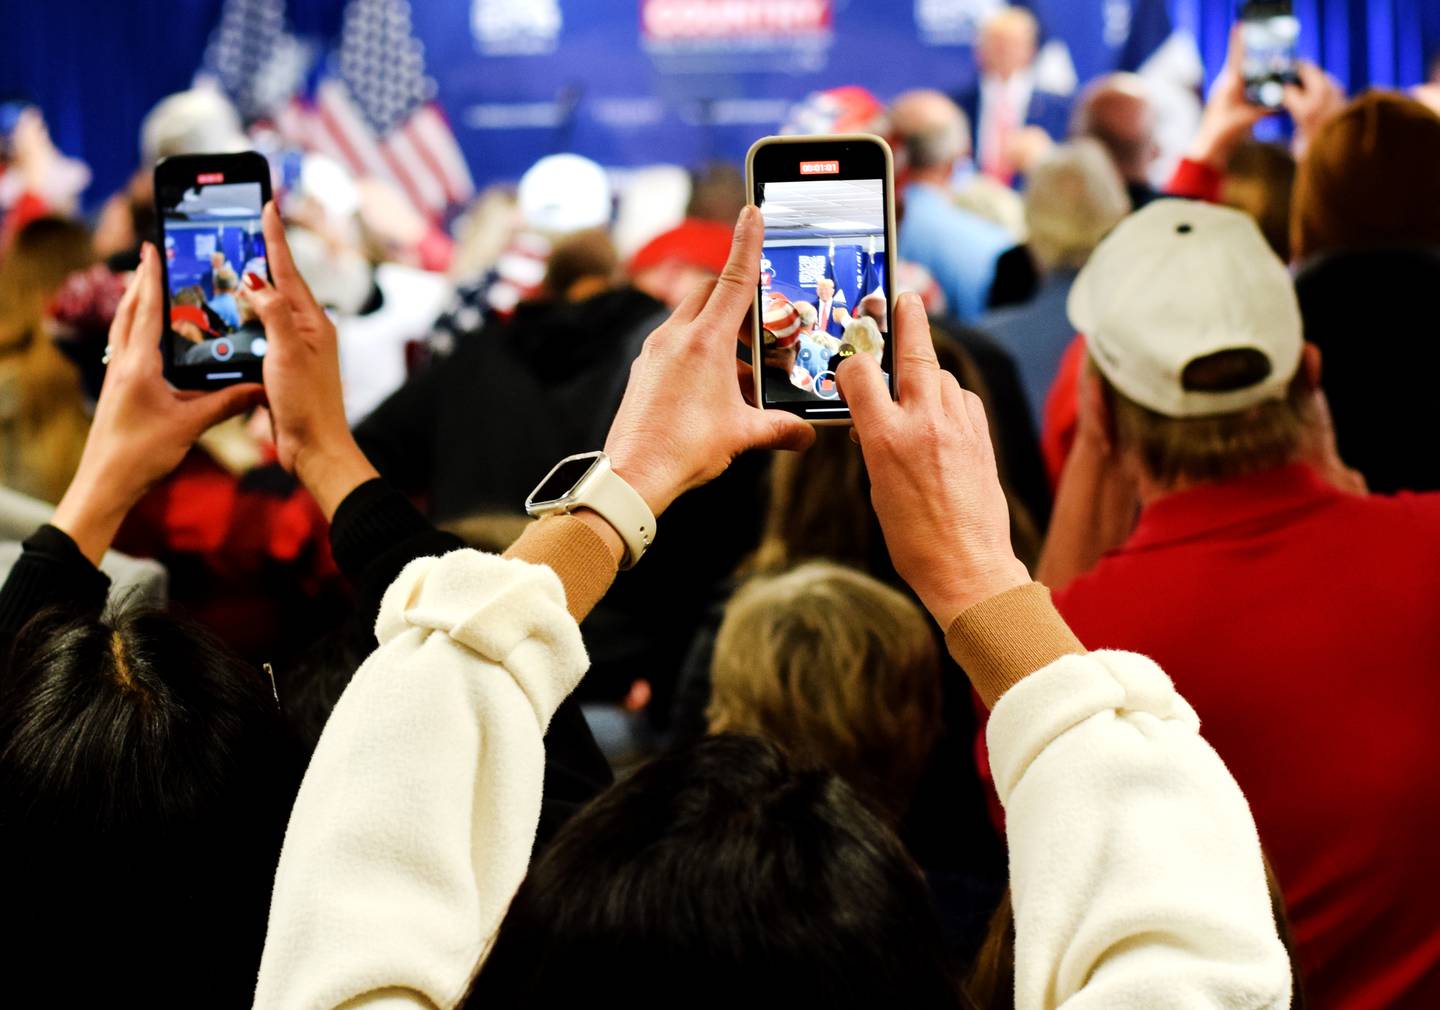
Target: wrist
658	494
947	599
607	533
1210	148
332	472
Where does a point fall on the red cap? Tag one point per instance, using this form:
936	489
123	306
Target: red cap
703	244
191	314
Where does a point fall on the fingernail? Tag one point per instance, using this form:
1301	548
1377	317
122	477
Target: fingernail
146	251
254	281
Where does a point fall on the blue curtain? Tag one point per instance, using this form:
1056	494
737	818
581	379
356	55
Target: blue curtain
1364	43
96	66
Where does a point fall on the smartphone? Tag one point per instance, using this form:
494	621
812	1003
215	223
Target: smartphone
826	280
1270	33
209	209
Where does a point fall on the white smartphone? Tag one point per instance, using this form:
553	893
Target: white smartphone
826	280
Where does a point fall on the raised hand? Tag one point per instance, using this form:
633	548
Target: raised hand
302	378
932	473
1228	118
1317	100
143	427
684	417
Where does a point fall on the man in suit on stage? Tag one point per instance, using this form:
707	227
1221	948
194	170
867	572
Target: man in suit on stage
1008	108
831	313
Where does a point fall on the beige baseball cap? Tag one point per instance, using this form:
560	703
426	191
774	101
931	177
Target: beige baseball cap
1177	281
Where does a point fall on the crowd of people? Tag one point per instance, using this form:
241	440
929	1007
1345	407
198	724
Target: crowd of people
378	738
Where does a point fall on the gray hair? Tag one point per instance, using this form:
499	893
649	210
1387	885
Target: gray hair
941	143
1073	197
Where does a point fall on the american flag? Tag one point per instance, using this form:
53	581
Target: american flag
376	111
254	59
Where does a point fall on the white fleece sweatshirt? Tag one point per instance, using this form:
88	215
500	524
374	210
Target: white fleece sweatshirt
1135	865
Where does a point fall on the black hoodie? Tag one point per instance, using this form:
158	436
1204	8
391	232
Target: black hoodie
477	431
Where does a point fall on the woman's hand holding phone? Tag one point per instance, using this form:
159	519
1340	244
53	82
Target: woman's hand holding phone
683	417
302	378
143	427
932	469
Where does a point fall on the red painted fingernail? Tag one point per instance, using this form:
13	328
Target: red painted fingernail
254	281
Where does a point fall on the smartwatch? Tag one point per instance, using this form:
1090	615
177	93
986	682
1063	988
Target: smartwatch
587	481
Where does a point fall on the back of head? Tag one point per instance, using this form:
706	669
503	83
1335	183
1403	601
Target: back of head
1369	180
146	779
43	419
717	875
717	193
930	131
1192	322
1116	110
42	255
580	265
839	669
199	121
1260	180
1073	197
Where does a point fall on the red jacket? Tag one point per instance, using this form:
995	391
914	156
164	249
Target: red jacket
1303	625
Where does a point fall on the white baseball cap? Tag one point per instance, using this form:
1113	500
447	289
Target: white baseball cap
565	193
1175	282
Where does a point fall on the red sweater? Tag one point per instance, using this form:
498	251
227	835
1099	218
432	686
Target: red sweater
1303	624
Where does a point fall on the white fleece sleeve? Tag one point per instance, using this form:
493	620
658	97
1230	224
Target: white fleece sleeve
416	817
1135	866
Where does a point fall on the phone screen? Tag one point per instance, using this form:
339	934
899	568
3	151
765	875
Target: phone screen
1270	41
825	277
212	239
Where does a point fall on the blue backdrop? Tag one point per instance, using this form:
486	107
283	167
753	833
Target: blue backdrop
627	81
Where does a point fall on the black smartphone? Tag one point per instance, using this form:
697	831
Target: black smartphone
825	290
209	209
1270	33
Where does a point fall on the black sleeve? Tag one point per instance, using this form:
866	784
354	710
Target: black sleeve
398	436
376	532
50	572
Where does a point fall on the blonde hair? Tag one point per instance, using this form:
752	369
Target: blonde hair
1073	197
837	668
43	421
863	334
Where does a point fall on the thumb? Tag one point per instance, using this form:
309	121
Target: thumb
775	429
212	408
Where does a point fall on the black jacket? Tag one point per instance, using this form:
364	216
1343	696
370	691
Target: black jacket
1374	317
479	429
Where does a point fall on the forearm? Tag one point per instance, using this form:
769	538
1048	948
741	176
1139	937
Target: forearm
1094	512
417	815
1136	872
582	549
332	473
1135	866
91	513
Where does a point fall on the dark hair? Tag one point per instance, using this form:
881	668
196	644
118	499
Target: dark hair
719	874
146	776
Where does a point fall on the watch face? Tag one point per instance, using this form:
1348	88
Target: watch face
563	479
